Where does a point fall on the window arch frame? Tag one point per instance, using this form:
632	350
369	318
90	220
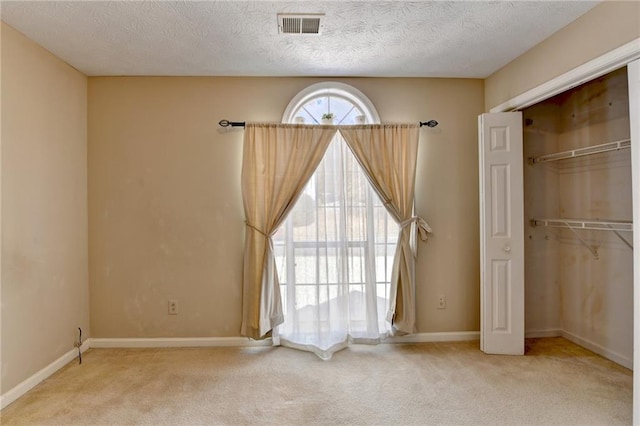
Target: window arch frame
332	89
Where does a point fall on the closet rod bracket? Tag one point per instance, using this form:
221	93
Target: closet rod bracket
593	250
623	239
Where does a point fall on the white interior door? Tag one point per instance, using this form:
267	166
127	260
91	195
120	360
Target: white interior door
501	233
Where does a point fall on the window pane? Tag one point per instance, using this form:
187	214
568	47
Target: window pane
308	119
340	108
351	117
356	262
327	265
305	265
316	107
305	296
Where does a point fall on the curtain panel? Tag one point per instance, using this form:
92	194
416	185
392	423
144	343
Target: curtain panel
278	161
388	154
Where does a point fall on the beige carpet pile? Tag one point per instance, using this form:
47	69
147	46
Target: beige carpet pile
556	382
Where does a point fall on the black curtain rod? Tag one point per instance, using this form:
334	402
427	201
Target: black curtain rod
227	123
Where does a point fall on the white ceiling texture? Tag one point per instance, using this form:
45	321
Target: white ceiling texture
241	38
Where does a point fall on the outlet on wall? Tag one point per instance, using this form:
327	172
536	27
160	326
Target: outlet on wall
173	307
442	301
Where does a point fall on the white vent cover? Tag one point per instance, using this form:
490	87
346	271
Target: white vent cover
309	23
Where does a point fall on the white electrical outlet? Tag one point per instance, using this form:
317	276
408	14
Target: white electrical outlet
173	307
442	301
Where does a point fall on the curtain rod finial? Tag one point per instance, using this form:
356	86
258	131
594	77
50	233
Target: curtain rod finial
227	123
430	123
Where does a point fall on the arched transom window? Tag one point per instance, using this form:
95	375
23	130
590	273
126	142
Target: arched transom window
347	104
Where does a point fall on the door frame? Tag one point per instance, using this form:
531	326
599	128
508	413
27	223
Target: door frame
597	67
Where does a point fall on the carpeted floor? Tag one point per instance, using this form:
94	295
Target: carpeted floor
556	382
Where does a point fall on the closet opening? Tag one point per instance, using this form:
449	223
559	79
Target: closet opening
578	217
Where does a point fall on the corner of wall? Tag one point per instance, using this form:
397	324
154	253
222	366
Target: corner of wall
43	168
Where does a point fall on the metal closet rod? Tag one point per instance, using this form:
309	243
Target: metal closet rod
594	225
580	152
590	224
227	123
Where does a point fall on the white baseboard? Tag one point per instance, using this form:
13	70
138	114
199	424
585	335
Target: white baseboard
177	342
600	350
454	336
28	384
195	342
552	332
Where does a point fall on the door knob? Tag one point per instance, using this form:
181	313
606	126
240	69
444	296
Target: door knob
507	249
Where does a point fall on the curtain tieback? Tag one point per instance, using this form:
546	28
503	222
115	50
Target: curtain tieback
259	231
423	227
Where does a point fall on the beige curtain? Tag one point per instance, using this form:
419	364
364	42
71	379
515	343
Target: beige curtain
278	160
388	153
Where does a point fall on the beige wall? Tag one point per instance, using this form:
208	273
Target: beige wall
605	27
165	208
45	292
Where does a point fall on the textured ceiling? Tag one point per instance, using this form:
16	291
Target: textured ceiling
240	38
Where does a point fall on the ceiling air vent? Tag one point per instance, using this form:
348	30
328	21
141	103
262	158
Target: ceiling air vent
309	23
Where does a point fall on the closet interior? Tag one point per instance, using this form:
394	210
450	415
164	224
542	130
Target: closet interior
578	213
